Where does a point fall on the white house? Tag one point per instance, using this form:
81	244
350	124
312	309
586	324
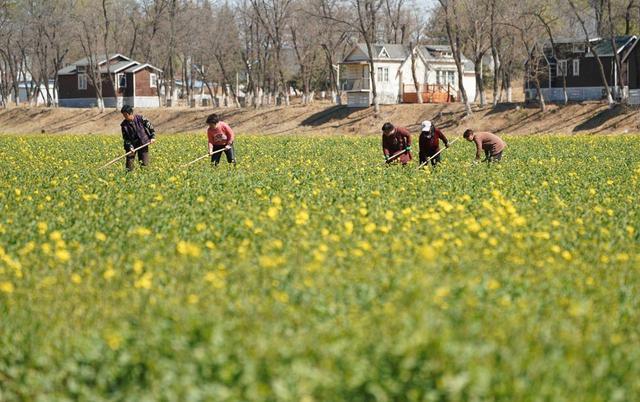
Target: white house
435	71
39	95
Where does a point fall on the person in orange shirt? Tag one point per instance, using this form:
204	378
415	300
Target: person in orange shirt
220	136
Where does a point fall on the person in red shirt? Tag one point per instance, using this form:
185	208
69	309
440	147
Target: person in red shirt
394	140
429	142
220	136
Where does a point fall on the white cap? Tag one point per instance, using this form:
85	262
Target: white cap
426	125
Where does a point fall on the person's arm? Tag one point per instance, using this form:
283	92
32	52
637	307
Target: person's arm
478	147
151	132
443	138
230	135
385	150
408	137
210	142
128	146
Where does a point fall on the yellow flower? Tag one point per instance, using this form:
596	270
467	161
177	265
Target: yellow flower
138	266
370	227
302	218
144	282
248	223
388	215
101	236
201	226
141	231
567	255
348	227
6	287
109	273
200	199
77	279
113	340
216	279
55	235
188	249
493	284
282	297
272	213
42	227
193	299
63	255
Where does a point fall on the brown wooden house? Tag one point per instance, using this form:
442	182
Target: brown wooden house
137	83
572	64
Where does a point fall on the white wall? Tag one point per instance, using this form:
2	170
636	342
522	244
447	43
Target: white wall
469	82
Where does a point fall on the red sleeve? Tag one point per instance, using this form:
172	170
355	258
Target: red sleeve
385	150
230	134
441	136
407	135
209	137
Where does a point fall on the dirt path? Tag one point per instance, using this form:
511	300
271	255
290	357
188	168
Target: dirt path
327	119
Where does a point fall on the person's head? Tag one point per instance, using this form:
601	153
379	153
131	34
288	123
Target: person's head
387	128
428	127
212	120
468	134
127	112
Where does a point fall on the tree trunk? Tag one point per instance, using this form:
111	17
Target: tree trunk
414	75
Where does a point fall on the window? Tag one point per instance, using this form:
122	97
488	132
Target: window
561	68
82	82
576	67
122	80
578	48
383	74
153	80
81	69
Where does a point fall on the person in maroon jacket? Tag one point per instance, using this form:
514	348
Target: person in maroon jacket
136	131
429	142
395	140
491	144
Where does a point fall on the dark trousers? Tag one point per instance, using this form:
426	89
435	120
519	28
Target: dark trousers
230	154
143	158
493	158
425	156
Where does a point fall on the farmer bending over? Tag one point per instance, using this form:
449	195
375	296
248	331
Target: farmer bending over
220	137
489	142
394	141
136	131
430	138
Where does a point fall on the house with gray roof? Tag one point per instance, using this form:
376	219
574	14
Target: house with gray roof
136	83
435	71
572	64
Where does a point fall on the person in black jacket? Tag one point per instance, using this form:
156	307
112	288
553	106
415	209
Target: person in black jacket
136	131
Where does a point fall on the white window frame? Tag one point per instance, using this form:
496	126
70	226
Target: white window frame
153	80
576	67
379	77
119	78
561	68
386	74
82	82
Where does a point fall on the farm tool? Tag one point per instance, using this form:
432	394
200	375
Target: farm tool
123	156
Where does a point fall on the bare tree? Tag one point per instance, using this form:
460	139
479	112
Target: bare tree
452	24
593	49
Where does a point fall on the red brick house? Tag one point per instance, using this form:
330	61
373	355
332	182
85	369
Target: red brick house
137	83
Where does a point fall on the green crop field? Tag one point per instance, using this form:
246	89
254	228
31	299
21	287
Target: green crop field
312	272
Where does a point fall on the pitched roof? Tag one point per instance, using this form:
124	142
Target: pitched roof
126	64
101	58
117	67
139	67
604	48
381	51
431	53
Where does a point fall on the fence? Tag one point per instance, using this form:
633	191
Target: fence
435	93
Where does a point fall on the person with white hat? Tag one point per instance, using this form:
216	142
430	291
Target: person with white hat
429	142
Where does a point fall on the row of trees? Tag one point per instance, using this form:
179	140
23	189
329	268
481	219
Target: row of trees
278	44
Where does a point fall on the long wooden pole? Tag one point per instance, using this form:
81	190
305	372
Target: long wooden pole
122	156
436	154
203	156
395	156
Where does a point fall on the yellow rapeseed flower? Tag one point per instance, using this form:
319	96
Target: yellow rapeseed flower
6	287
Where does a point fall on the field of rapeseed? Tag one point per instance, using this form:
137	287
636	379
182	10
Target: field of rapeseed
311	272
